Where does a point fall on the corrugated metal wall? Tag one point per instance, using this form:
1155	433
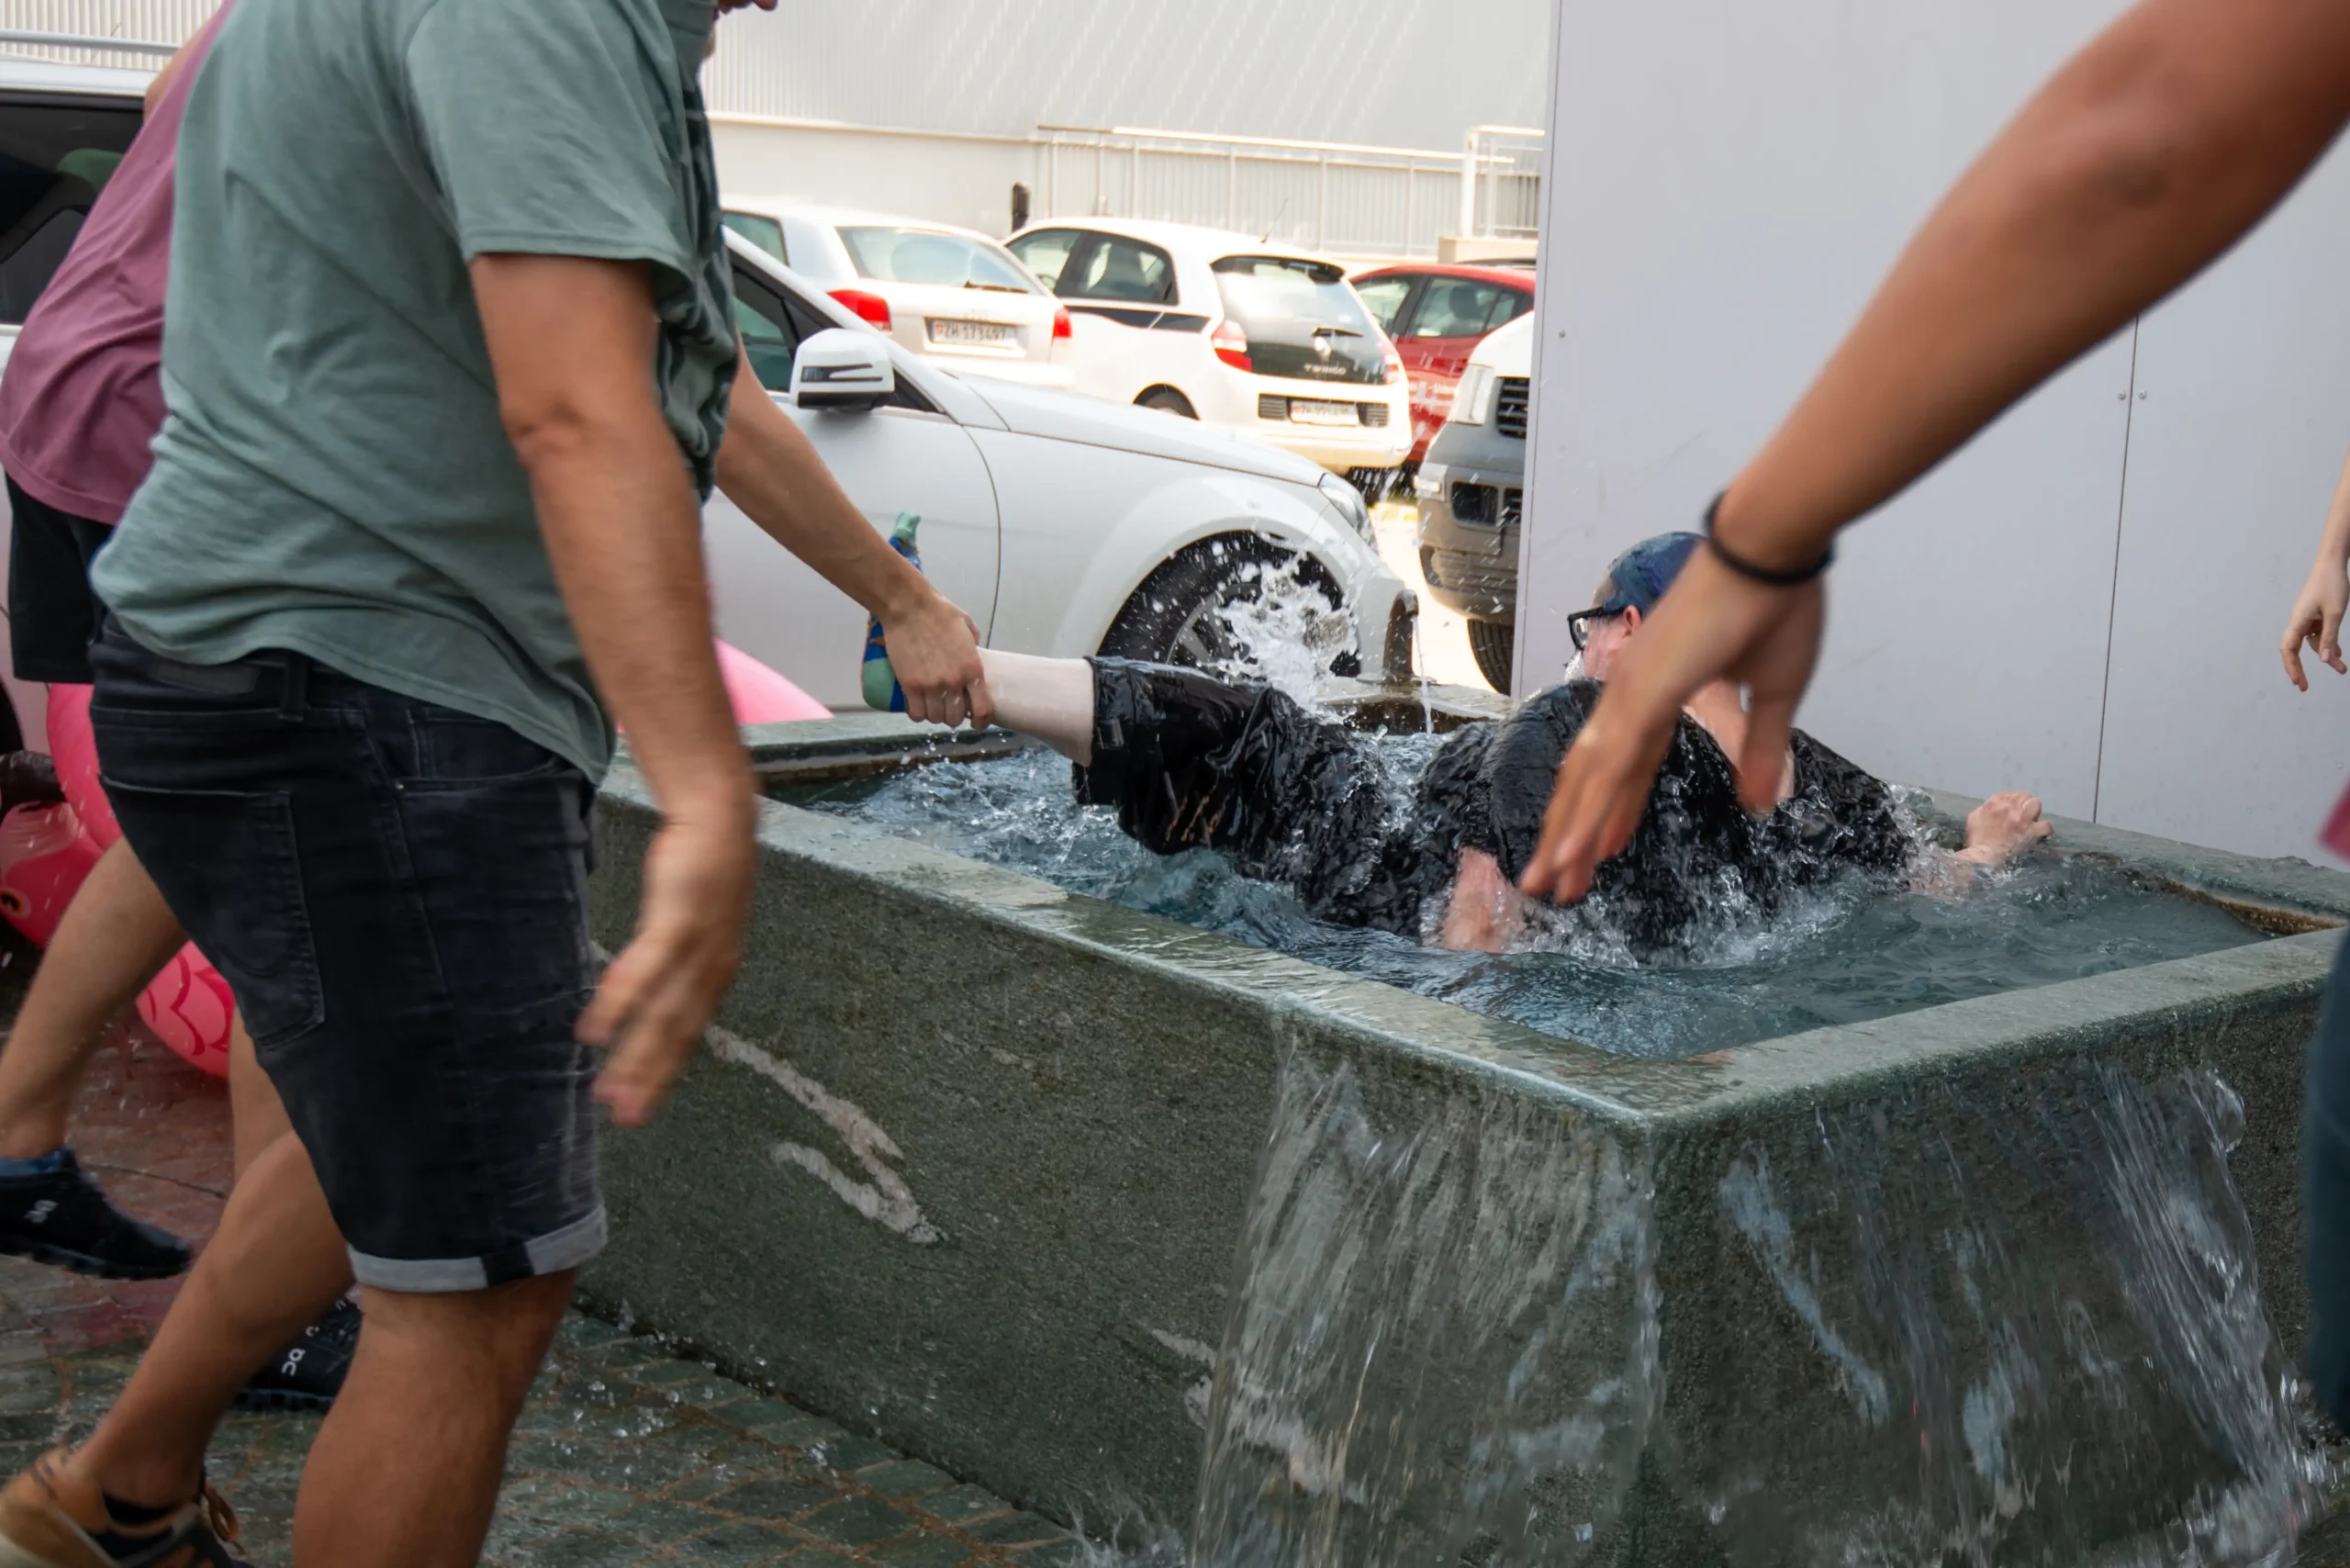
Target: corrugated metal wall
1396	73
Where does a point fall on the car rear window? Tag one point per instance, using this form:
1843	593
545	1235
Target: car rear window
1301	318
927	256
56	155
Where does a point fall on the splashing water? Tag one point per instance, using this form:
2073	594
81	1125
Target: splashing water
1282	627
1955	1326
2012	1328
1840	954
1445	1342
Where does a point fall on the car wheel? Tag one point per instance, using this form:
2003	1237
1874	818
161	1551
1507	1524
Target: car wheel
1179	614
1493	643
1167	401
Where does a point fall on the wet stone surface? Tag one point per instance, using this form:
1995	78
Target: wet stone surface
625	1455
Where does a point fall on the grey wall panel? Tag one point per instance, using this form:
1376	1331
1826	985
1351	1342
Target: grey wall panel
2234	453
1726	184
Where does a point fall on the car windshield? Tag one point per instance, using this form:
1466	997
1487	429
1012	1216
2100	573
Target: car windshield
926	255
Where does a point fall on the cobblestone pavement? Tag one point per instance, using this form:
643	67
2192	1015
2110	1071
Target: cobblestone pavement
626	1454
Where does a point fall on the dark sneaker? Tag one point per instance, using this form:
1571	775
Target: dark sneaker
51	1518
307	1373
60	1217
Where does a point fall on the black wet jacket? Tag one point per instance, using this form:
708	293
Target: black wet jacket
1190	761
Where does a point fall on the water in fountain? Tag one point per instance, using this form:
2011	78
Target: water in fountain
1843	953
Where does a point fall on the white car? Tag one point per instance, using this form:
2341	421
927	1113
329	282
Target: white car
1064	525
1230	330
938	290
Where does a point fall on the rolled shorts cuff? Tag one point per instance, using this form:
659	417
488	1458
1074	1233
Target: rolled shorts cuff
567	1248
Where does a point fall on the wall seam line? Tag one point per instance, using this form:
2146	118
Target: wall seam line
2113	588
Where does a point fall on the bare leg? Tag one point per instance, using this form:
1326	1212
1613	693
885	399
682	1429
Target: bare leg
1051	699
116	934
405	1473
257	1117
275	1263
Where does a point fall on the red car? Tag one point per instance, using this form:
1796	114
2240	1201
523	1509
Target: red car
1436	314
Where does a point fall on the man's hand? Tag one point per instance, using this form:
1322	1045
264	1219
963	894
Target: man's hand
935	650
2001	827
2316	620
659	995
1713	623
767	467
1485	914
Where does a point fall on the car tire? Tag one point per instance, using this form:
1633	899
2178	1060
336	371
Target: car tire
1494	645
1171	618
1167	401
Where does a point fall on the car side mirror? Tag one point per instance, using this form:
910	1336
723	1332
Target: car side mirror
843	368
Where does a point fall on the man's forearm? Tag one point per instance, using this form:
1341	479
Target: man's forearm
2333	544
2147	156
769	469
623	533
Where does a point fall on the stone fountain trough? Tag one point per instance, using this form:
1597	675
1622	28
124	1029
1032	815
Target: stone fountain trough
983	1167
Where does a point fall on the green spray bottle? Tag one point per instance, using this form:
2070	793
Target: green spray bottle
880	682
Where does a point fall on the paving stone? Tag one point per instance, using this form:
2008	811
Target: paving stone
1066	1552
921	1552
1018	1529
904	1478
740	1544
848	1453
856	1521
659	1522
772	1498
960	1505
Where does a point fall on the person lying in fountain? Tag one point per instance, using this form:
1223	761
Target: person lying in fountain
1190	761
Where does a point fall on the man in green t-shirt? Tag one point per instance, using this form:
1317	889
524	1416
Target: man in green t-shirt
449	360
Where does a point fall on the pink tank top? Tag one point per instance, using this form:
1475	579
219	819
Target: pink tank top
83	397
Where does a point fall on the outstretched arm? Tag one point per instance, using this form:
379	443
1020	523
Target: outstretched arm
2316	618
767	467
2145	158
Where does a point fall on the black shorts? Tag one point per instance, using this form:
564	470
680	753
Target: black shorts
397	892
53	615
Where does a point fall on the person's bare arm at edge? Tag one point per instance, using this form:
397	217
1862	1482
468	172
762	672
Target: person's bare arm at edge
2316	617
2146	156
161	80
570	343
767	467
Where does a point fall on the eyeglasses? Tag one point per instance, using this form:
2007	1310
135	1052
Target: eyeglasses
1580	623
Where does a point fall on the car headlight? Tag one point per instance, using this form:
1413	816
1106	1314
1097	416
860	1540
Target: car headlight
1350	502
1428	484
1472	397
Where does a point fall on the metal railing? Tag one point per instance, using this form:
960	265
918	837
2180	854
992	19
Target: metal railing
1342	197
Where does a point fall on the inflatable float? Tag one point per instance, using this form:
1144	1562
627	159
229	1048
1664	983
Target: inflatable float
47	849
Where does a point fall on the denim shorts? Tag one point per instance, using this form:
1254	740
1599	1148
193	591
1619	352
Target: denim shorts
397	892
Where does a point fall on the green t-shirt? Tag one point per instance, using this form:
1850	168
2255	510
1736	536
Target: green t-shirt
332	476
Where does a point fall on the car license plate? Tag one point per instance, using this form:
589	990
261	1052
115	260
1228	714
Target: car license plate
1309	411
975	334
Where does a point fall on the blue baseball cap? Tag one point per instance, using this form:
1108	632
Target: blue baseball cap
1641	575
